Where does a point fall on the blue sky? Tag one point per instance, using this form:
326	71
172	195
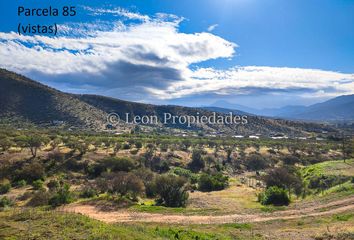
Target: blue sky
258	53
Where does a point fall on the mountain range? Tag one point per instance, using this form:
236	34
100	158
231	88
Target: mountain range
23	99
339	109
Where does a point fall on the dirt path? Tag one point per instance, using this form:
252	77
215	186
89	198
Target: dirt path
334	207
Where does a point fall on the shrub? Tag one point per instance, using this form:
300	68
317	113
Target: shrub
122	183
40	198
88	192
274	195
127	184
291	160
5	186
171	190
185	173
147	176
286	178
62	196
30	172
208	183
118	164
138	145
5	202
20	183
38	184
126	146
324	182
53	185
197	162
256	162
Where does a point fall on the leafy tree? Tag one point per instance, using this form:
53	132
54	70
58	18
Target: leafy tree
285	178
347	148
127	184
116	148
197	162
256	162
171	190
209	160
186	143
229	151
33	142
5	143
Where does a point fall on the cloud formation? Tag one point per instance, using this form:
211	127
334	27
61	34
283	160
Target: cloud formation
212	27
137	57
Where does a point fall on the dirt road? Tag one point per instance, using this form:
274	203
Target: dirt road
333	207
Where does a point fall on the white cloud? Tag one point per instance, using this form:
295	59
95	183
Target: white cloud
251	79
212	27
152	57
118	11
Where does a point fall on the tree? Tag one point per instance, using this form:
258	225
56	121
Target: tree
33	142
347	148
186	143
115	164
127	184
291	160
229	151
116	148
256	162
209	160
171	190
5	143
197	162
286	178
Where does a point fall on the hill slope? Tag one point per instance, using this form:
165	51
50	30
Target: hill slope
337	109
24	99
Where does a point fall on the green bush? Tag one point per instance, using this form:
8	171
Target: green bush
38	184
208	183
171	190
118	164
185	173
255	162
39	198
5	202
20	183
89	192
30	172
53	185
5	186
197	162
62	196
274	195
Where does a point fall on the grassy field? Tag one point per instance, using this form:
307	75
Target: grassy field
337	167
41	224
